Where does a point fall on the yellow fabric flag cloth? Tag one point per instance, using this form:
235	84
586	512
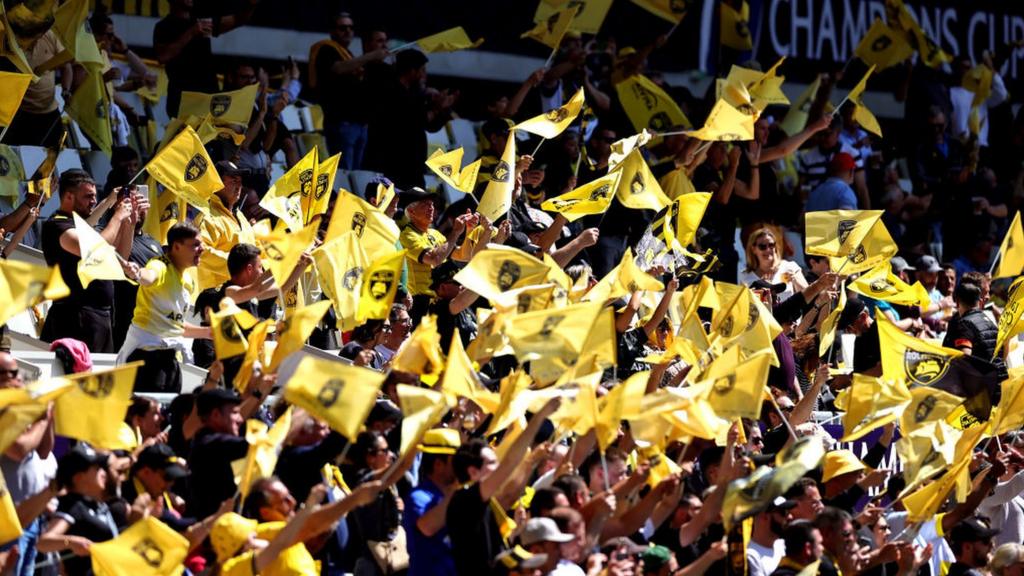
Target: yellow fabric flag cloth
380	283
449	40
264	447
79	43
10	526
589	19
872	403
593	197
282	251
838	232
148	548
92	411
648	106
638	188
460	380
927	451
883	46
376	231
931	53
422	408
765	88
725	123
90	109
15	86
1011	251
735	386
928	405
234	107
226	326
557	334
340	266
861	113
734	29
315	204
1009	414
421	352
550	31
99	260
285	197
340	395
497	196
184	167
295	330
623	402
881	284
447	166
795	119
875	249
671	10
911	359
23	285
554	122
257	351
12	172
1010	322
494	271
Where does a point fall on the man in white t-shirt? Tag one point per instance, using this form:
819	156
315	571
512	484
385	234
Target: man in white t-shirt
766	547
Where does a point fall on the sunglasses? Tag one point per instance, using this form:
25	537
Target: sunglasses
9	374
343	27
766	246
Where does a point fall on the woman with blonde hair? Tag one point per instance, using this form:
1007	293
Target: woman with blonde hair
764	262
1007	560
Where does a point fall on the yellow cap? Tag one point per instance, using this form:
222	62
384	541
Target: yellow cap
229	534
441	441
839	462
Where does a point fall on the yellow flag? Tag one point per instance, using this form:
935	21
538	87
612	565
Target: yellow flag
340	395
1010	323
623	147
422	408
460	380
380	282
765	88
184	167
10	526
1009	414
736	387
926	451
99	260
838	232
449	40
924	503
873	403
881	284
264	447
228	340
14	90
24	285
295	330
549	32
861	113
79	43
497	196
736	314
648	106
90	109
556	334
796	117
340	265
725	123
623	402
979	81
593	197
282	251
421	352
165	209
638	188
233	107
623	280
589	19
315	204
928	405
734	31
930	52
911	359
829	326
1011	251
256	352
12	172
148	548
499	269
875	249
883	46
676	184
376	231
689	210
92	411
554	122
447	166
285	197
671	10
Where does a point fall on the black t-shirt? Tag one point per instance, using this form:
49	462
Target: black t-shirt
340	95
212	480
100	293
473	531
89	519
867	351
448	323
193	68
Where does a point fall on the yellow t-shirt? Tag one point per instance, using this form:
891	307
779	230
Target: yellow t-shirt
294	561
415	244
161	307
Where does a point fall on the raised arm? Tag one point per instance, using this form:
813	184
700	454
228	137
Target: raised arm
794	142
489	486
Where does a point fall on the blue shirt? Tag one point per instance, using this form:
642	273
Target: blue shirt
832	194
428	556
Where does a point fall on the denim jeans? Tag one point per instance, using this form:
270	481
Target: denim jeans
349	138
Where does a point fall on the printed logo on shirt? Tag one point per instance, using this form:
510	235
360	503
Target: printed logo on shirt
502	172
351	278
150	553
306	182
219	104
330	392
924	368
380	283
97	385
508	274
195	168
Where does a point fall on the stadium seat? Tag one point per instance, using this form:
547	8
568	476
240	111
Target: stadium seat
31	158
463	133
438	141
292	121
342	180
359	179
98	164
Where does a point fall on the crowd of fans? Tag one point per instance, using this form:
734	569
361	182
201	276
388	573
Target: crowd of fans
540	502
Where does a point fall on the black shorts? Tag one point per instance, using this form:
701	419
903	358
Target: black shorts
93	326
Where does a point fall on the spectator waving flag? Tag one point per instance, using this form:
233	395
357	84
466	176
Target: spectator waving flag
861	113
99	260
295	330
871	403
340	266
286	195
554	122
223	108
184	167
448	167
648	106
23	285
148	548
93	410
264	447
593	197
340	395
497	196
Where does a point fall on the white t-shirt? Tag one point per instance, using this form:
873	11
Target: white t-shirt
928	533
566	568
785	274
762	561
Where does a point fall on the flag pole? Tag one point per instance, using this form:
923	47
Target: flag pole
136	177
534	153
604	468
999	255
404	46
4	132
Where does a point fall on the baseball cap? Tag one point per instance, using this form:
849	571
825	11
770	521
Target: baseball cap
209	400
972	529
229	534
842	162
444	273
899	265
161	457
928	263
543	530
518	559
228	168
782	503
850	314
496	126
78	459
441	441
414	194
655	557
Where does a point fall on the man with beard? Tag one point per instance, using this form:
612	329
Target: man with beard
972	546
766	547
